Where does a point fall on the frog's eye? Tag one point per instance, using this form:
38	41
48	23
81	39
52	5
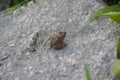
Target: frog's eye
60	32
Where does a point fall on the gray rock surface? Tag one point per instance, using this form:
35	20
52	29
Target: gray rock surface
25	53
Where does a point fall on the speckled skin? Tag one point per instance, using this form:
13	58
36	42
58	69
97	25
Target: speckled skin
58	41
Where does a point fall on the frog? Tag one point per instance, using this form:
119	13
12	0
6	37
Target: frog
57	42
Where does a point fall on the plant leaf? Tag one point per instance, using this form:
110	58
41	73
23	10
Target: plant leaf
34	1
118	48
15	2
103	11
114	8
87	73
114	16
13	7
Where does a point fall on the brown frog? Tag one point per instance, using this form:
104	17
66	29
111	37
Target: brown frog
58	41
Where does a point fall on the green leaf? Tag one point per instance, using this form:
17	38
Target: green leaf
103	11
34	1
116	68
26	1
114	16
118	48
114	8
87	73
15	2
13	7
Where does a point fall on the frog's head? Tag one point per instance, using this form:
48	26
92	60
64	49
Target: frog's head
62	34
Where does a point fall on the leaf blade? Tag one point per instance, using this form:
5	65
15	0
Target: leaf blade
114	8
114	16
118	48
87	73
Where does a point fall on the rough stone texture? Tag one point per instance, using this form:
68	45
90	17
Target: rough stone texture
25	53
